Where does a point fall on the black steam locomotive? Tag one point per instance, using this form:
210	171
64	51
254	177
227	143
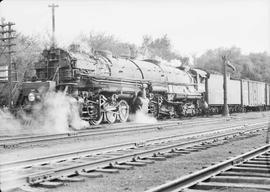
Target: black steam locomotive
106	85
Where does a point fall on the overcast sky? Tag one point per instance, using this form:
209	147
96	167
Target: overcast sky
192	25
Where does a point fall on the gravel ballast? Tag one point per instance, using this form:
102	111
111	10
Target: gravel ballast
143	178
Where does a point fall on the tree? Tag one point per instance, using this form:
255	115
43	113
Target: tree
159	47
103	41
27	52
255	66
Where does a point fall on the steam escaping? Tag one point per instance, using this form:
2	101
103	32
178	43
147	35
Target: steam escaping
142	117
8	123
56	113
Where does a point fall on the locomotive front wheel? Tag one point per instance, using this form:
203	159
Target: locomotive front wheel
96	121
110	116
123	110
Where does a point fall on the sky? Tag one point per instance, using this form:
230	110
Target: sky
193	26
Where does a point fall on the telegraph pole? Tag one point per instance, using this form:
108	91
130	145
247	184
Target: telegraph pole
53	6
7	35
225	106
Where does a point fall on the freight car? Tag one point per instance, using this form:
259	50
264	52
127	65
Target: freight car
106	85
253	95
242	95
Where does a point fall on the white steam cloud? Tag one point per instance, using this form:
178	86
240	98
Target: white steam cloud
8	123
142	116
57	113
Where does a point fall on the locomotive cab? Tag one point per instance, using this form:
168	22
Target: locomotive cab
199	77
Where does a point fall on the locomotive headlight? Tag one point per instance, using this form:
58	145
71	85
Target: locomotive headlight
31	97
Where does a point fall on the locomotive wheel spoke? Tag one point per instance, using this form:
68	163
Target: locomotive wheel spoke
110	116
93	111
123	111
96	121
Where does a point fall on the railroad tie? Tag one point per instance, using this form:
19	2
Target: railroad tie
267	162
190	149
167	155
120	166
106	170
51	184
245	174
261	159
217	185
199	147
248	169
31	189
70	179
180	152
254	165
135	163
239	179
90	174
144	161
156	158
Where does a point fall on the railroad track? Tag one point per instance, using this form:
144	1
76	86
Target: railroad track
246	171
55	170
11	142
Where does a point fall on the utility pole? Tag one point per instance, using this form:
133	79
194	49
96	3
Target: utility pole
225	105
6	38
53	6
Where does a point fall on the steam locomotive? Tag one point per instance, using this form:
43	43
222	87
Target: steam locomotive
105	86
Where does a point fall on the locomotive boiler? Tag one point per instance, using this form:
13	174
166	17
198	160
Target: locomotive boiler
105	85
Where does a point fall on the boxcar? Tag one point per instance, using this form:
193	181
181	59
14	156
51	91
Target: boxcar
215	95
254	94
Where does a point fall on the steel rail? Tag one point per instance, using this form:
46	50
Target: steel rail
28	162
190	180
105	129
44	138
101	128
74	168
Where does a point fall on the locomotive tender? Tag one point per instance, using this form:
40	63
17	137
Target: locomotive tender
105	86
